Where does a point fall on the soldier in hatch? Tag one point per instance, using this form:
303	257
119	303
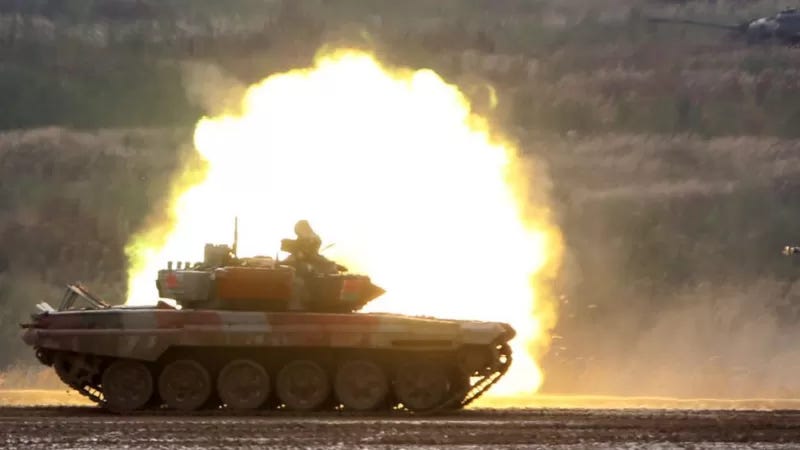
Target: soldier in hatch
304	257
304	253
306	247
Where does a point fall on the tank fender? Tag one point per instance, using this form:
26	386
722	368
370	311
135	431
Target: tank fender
473	332
113	343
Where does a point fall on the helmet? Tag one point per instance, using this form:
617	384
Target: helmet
302	228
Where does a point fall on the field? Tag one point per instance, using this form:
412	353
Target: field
57	418
669	156
37	428
656	262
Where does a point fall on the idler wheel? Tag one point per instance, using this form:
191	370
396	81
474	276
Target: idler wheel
421	386
243	384
76	370
302	385
184	385
127	386
361	385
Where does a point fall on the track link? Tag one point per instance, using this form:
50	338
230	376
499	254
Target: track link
466	396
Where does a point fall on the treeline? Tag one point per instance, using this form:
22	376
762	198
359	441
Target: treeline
69	202
110	93
79	66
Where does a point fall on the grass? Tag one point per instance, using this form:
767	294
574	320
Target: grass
662	232
71	199
672	154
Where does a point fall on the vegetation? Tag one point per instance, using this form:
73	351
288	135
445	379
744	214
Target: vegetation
69	202
672	155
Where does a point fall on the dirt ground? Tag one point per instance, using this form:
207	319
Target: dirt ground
78	427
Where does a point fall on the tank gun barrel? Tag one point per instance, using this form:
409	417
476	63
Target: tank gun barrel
698	23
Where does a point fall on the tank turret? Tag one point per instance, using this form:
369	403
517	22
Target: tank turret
782	27
790	250
223	281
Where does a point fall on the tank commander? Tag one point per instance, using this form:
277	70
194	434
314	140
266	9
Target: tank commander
304	257
305	248
304	253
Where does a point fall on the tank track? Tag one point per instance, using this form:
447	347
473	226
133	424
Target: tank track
80	384
473	392
458	400
92	394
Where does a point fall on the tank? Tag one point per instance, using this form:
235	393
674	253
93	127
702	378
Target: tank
254	333
782	27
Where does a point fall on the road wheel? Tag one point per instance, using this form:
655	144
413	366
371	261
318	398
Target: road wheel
460	385
184	385
127	386
243	384
302	385
361	385
421	386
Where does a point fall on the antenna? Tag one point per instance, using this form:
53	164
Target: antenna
235	235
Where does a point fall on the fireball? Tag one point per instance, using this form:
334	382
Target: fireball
396	174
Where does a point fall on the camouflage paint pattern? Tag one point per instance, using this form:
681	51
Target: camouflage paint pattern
145	334
86	340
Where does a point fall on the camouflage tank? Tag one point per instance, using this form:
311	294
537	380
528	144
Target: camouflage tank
256	333
782	27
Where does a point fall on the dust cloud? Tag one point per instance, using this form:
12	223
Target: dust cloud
710	342
730	343
211	88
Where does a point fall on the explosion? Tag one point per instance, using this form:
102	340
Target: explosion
392	168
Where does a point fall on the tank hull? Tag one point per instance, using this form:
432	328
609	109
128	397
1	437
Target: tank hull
136	358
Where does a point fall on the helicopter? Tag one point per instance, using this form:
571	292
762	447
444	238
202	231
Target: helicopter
783	27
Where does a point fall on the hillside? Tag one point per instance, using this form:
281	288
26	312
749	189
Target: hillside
672	154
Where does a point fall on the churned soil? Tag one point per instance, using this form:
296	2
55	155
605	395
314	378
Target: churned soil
91	428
